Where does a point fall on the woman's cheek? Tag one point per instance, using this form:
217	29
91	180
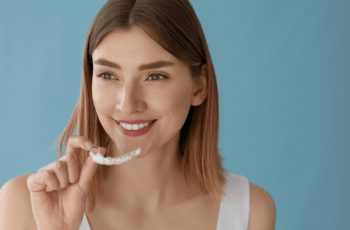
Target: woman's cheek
178	104
99	97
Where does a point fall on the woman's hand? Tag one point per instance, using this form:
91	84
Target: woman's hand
58	193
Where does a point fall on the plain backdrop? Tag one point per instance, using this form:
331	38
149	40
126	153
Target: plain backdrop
283	75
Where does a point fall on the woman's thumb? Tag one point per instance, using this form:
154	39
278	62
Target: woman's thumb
88	171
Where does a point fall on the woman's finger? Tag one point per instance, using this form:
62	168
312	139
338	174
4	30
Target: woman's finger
78	142
61	173
88	171
73	168
45	180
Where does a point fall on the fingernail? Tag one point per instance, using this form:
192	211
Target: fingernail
88	145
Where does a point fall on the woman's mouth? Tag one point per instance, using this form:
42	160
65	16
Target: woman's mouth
135	133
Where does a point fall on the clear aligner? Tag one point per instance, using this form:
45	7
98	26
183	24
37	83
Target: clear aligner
99	159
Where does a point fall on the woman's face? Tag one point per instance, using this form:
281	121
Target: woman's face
128	93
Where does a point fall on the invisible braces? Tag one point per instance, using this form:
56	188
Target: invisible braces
99	159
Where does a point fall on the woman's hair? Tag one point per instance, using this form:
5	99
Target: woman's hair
173	24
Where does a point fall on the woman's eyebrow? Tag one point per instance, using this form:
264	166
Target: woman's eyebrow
153	65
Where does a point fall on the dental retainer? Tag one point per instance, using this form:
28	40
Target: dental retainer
99	159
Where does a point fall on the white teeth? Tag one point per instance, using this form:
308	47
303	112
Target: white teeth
134	126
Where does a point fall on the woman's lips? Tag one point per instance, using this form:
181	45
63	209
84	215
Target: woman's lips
134	122
136	133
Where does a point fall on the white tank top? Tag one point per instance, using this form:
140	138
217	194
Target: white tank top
234	209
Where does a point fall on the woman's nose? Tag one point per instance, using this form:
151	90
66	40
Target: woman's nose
130	99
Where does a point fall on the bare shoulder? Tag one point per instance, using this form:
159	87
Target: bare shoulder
15	205
262	209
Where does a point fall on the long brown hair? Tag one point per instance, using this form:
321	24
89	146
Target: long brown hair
173	24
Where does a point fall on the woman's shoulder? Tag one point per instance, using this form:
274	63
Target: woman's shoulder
254	201
18	184
256	192
262	209
16	209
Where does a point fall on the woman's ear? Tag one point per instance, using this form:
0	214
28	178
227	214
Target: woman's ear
200	92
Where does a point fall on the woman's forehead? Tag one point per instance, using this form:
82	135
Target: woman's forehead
128	42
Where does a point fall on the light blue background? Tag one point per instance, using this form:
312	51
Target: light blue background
283	76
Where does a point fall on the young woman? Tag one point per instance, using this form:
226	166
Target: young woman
147	66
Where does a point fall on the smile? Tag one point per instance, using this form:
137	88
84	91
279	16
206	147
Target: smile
141	130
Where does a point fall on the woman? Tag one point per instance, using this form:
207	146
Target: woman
143	61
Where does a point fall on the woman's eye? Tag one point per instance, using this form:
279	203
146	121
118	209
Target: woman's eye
153	76
102	75
160	76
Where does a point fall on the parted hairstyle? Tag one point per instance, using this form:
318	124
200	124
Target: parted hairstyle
174	25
